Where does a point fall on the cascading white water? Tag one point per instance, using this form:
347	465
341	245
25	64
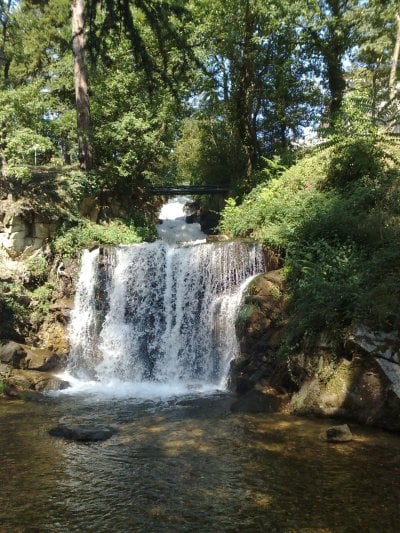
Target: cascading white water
162	312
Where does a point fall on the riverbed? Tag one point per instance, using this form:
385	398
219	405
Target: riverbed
187	463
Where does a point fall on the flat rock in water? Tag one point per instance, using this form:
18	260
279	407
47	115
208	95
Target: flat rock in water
83	433
339	434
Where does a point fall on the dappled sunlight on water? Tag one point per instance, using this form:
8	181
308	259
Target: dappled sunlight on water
191	465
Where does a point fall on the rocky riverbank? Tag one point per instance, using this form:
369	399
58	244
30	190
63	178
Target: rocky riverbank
36	292
360	384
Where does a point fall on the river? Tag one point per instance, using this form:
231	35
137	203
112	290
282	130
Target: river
188	464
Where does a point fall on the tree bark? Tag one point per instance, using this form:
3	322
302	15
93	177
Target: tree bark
244	98
5	59
81	84
395	61
5	62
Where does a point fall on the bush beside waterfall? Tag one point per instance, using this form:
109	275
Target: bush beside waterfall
334	218
88	234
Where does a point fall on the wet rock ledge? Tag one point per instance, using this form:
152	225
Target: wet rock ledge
23	368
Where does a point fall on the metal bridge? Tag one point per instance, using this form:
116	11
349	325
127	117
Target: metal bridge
172	190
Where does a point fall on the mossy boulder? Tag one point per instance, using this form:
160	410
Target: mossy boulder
356	390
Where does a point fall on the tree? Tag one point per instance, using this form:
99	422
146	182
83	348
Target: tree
155	29
395	61
6	7
81	84
5	61
376	66
258	93
329	28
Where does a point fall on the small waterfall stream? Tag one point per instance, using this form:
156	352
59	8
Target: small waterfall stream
160	316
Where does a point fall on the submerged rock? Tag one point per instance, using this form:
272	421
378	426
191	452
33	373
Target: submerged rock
83	433
339	434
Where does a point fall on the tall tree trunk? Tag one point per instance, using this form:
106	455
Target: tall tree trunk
244	98
395	61
393	102
336	83
81	84
5	59
5	62
334	51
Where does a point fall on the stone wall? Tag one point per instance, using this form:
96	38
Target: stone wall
21	229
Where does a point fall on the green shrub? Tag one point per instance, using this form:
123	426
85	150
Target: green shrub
37	267
27	146
335	217
19	174
41	299
88	234
14	304
273	212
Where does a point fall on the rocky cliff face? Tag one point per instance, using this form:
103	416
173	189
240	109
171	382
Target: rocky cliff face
361	385
35	298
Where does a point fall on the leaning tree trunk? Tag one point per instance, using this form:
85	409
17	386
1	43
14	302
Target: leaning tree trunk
81	84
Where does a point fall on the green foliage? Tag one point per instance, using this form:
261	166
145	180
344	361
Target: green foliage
208	152
13	302
85	184
24	144
19	174
37	267
335	217
2	386
272	213
41	300
88	234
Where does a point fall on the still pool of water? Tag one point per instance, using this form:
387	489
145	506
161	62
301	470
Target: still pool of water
188	464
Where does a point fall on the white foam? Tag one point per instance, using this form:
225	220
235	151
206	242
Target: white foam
117	389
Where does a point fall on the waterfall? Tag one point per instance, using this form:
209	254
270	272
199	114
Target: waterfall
161	312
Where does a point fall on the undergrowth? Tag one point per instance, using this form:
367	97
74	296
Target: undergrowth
88	234
334	216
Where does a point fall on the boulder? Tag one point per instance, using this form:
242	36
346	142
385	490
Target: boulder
83	433
4	371
27	358
25	380
53	334
259	326
11	353
11	393
355	390
340	433
43	360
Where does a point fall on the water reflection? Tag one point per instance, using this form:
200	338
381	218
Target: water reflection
190	465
